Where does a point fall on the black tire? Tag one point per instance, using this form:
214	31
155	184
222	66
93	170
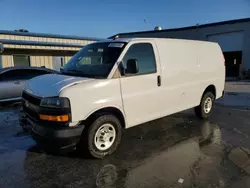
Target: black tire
199	110
87	145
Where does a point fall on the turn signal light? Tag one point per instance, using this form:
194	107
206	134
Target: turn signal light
61	118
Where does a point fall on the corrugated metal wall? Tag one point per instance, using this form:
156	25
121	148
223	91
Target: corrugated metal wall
39	61
67	58
45	39
7	61
42	59
16	46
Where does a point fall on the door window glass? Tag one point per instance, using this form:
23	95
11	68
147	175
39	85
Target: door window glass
144	54
15	75
34	73
21	60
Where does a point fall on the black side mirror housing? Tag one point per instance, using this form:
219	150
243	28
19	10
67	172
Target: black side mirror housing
132	67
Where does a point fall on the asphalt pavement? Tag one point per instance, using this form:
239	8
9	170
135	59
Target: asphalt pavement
237	95
176	151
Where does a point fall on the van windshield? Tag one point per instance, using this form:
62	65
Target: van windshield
94	60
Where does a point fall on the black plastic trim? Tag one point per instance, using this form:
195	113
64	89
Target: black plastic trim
33	111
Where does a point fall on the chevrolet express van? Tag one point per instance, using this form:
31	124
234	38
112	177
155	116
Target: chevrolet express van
115	84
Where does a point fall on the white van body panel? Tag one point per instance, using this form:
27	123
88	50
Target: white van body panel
50	85
212	66
89	97
186	69
142	97
179	74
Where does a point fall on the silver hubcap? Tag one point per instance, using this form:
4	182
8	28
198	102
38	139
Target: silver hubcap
208	105
105	136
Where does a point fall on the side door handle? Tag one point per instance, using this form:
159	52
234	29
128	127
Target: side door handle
159	80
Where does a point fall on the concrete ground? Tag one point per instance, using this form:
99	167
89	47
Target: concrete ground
176	151
237	95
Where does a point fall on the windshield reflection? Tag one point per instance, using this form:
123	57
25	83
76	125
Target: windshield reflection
94	60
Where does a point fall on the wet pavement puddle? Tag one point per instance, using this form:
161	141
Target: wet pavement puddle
177	151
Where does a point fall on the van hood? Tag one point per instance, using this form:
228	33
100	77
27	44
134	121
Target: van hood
50	85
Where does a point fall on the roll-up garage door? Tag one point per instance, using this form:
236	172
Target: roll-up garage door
231	45
229	42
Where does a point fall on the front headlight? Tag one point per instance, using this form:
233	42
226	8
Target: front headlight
55	102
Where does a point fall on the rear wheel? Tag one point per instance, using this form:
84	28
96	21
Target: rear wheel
102	137
204	110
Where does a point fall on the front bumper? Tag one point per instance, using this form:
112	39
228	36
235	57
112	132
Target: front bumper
51	137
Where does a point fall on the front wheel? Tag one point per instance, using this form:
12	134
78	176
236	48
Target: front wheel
102	137
204	110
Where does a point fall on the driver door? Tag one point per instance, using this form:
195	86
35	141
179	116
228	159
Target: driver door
141	92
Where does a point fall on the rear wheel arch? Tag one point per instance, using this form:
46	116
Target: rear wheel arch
211	88
209	92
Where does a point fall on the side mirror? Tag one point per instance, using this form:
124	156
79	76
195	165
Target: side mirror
132	66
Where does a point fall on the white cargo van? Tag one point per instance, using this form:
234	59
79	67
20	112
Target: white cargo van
114	84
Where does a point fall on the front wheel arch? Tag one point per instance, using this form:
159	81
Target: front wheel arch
87	145
104	111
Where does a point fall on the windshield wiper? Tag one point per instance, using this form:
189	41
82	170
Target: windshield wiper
74	70
80	73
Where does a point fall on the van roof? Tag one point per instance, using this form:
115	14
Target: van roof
135	39
117	40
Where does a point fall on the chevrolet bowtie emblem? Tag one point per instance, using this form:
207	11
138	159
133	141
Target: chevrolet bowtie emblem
26	103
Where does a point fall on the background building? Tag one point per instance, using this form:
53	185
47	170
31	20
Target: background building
35	49
233	37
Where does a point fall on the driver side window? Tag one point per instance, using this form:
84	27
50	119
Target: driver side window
144	55
13	75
